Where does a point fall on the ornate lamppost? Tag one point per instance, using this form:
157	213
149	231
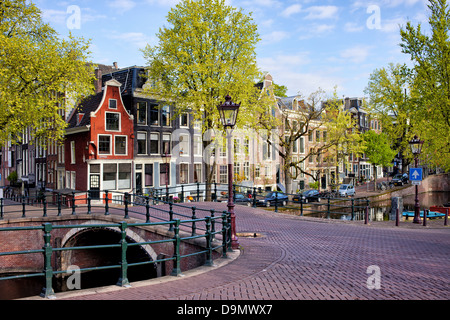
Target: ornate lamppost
228	112
416	148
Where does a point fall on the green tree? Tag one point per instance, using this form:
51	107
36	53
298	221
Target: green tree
390	103
38	71
206	52
430	82
378	150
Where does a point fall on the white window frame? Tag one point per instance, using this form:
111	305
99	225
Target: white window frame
126	145
72	152
110	144
120	122
109	104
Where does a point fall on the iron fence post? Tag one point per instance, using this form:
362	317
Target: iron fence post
73	203
47	291
328	208
176	271
353	209
254	197
213	224
23	206
126	196
215	191
198	192
366	215
106	203
194	226
89	202
276	201
147	209
123	280
301	206
224	235
170	216
182	194
44	207
1	208
59	203
229	232
209	261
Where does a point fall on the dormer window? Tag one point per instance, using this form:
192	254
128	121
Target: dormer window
112	103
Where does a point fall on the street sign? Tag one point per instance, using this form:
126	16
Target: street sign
415	175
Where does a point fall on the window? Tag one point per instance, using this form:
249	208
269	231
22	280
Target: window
104	144
257	171
72	152
149	175
142	142
109	176
310	136
184	145
142	113
237	148
223	150
302	145
184	120
165	116
154	115
112	121
223	174
120	145
324	136
124	175
295	146
112	103
317	136
184	173
164	174
154	143
197	145
247	170
166	144
311	155
197	172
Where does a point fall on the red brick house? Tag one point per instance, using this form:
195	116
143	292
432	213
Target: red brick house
99	144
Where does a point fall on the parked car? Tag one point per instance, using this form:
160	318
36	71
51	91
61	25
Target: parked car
346	190
239	198
307	196
399	179
271	197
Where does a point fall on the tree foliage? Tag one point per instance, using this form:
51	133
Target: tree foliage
206	51
37	72
430	82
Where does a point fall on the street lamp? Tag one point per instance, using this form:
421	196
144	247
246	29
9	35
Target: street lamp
228	112
416	148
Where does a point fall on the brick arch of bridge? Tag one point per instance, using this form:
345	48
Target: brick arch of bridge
71	236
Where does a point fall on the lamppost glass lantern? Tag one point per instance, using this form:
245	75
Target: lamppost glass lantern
228	112
416	146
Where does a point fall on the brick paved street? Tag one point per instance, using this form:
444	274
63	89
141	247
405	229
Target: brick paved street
305	258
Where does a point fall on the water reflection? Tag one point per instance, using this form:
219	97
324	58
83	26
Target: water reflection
381	211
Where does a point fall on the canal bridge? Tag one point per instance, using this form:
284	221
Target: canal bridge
135	240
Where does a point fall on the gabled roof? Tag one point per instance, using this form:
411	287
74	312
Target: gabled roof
88	105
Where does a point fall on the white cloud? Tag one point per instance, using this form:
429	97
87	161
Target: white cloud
295	8
321	12
357	54
138	39
315	30
353	27
273	37
122	5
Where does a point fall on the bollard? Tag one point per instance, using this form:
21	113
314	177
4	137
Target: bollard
59	204
213	224
446	217
147	209
194	227
425	214
73	203
89	202
397	218
125	200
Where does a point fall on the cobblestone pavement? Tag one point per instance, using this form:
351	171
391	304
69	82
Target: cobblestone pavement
300	258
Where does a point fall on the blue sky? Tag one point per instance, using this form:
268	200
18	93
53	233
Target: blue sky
305	44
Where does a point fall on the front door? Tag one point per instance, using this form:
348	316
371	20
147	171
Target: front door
94	186
138	182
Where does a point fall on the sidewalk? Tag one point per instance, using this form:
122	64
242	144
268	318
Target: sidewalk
301	258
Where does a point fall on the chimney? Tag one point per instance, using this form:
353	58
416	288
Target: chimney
98	80
115	65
